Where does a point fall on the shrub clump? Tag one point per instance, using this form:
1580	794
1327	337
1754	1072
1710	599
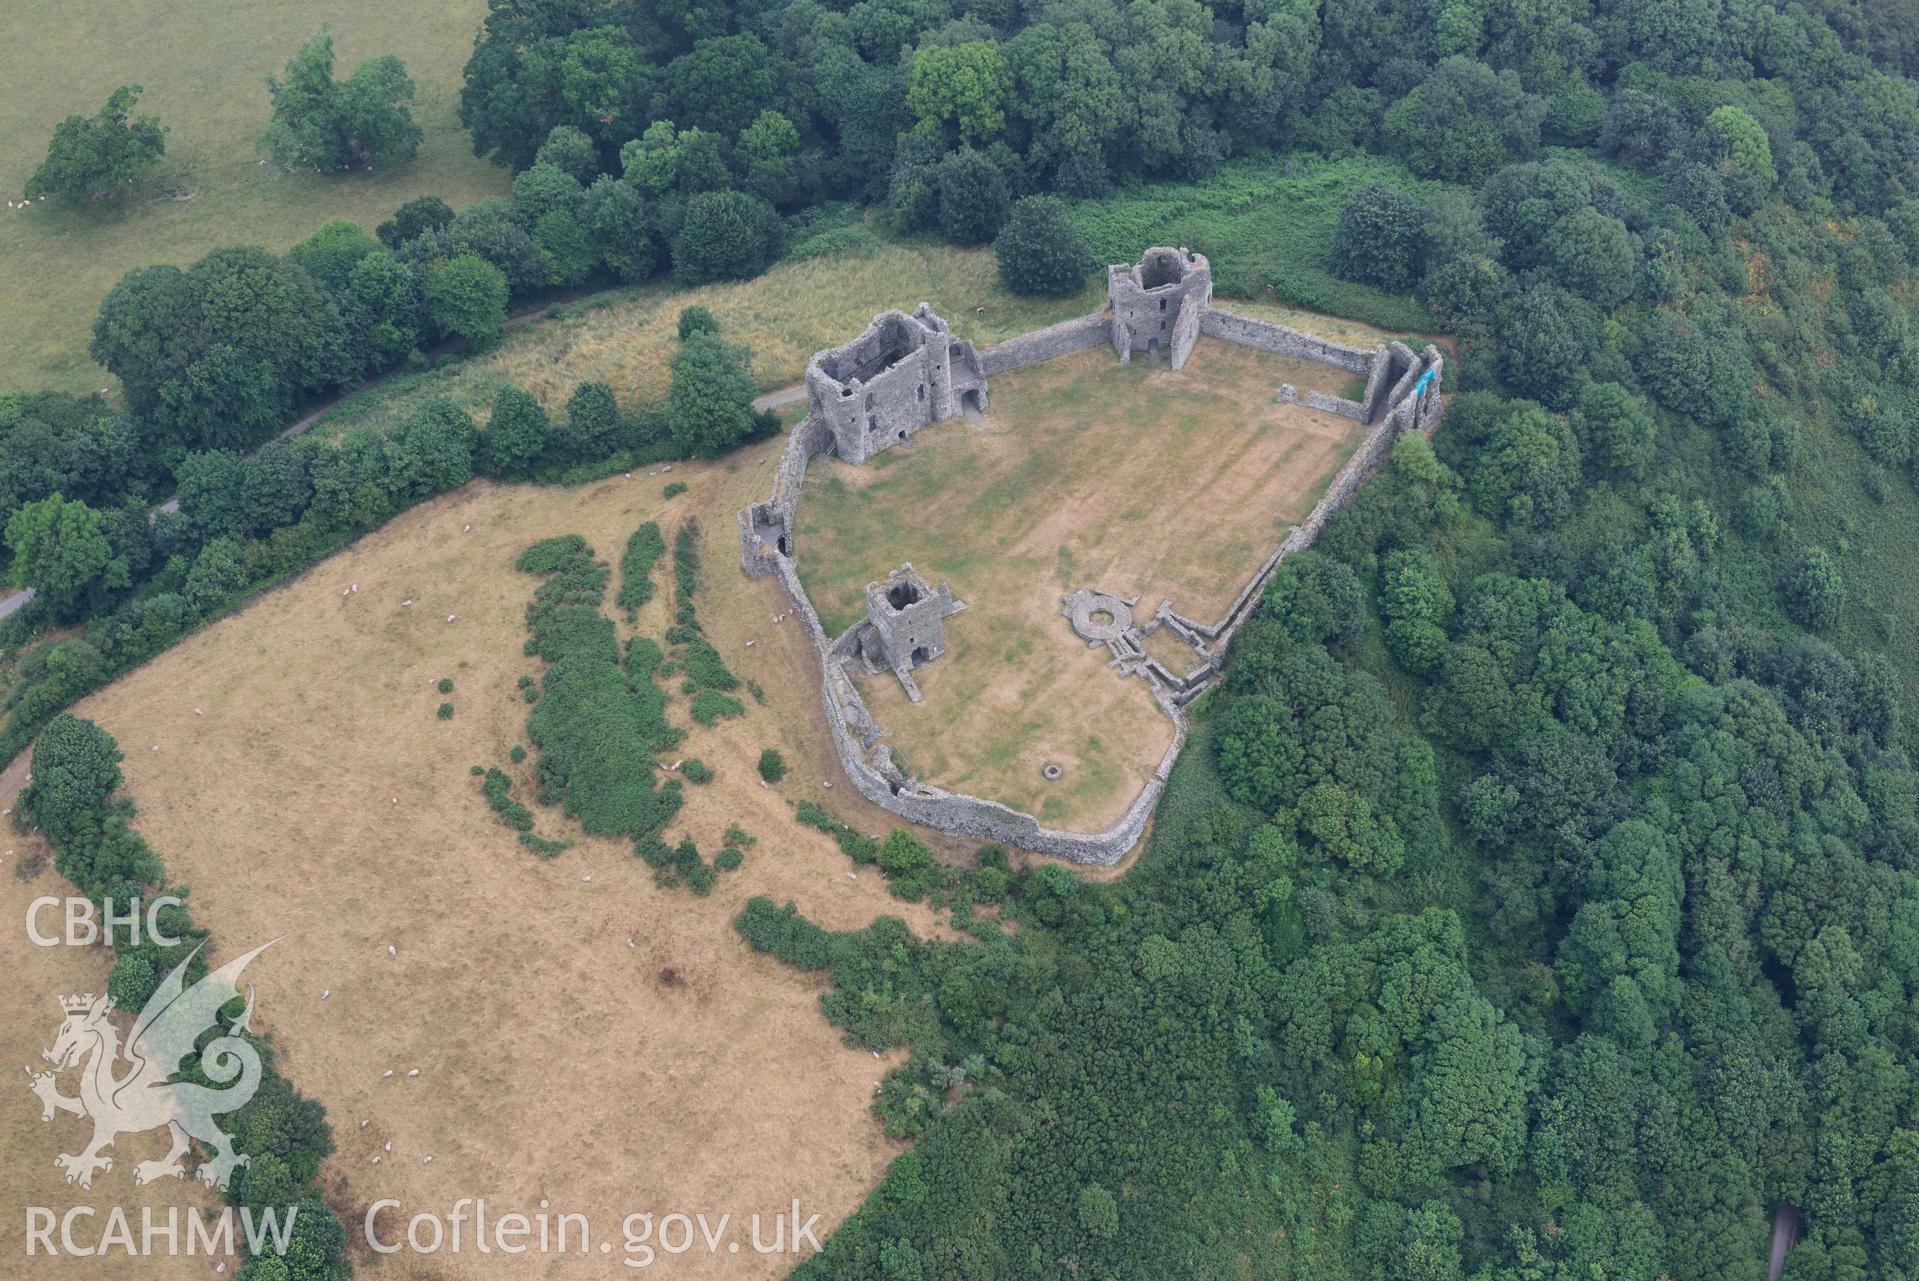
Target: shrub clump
785	933
772	765
596	727
711	706
643	550
497	788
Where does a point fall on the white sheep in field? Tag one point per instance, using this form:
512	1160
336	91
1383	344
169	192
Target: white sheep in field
451	617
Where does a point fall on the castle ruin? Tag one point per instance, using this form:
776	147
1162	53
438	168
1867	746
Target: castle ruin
905	625
905	372
1158	302
901	374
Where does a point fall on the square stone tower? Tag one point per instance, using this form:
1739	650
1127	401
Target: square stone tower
1158	303
901	374
905	623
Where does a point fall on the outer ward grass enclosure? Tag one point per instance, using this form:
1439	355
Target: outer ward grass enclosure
1147	482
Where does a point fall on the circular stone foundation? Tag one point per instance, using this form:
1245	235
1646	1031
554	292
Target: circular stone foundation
1097	616
1051	771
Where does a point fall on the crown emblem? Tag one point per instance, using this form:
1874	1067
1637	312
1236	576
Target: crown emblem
77	1004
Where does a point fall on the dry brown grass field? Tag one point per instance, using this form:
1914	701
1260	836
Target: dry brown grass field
581	1035
1130	479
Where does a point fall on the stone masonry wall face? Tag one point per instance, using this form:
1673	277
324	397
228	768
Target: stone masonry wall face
1044	344
1265	336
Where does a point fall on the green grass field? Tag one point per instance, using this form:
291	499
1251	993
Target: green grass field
1266	225
201	63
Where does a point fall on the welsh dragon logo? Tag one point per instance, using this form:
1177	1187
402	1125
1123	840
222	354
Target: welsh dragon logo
169	1026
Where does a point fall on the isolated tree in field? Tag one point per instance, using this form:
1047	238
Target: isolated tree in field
95	158
324	124
1381	238
709	407
772	765
727	235
515	434
60	549
696	320
1040	252
466	298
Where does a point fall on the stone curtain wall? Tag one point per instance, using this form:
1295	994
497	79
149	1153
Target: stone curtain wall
1334	405
1266	336
1419	411
1412	402
855	736
764	525
1044	344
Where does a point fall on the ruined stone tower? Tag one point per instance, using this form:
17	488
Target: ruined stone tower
902	373
905	624
1158	303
